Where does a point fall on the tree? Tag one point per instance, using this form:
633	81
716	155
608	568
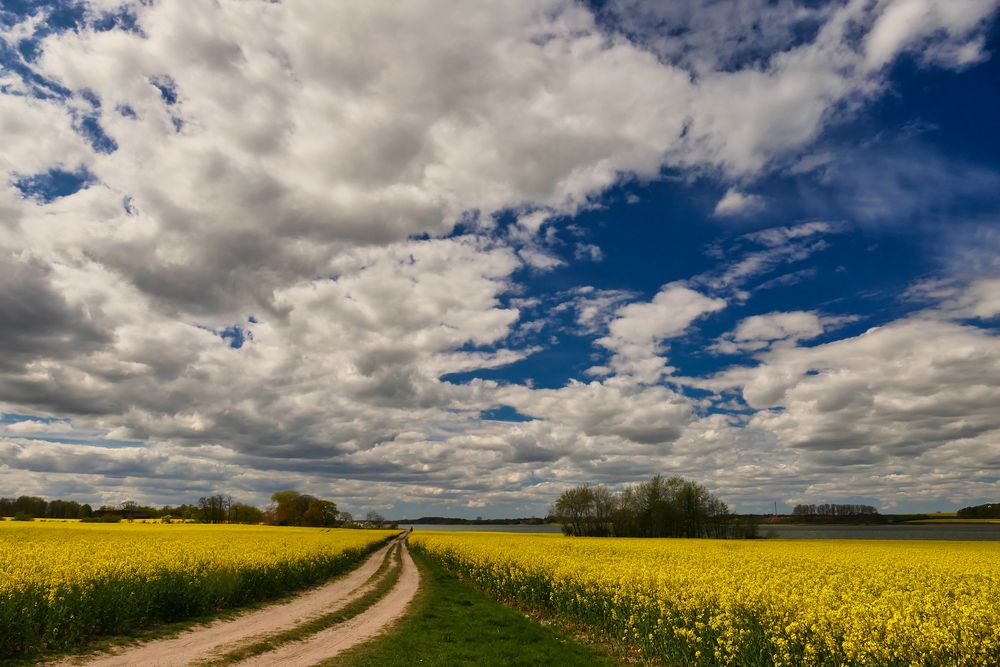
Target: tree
987	511
603	503
833	509
30	506
319	513
658	507
291	508
214	509
242	513
574	508
373	518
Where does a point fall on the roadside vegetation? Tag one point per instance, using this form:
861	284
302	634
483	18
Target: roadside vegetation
749	603
452	623
63	584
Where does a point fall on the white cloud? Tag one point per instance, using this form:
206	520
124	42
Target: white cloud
907	391
735	203
636	334
31	426
981	299
309	147
539	259
761	332
783	245
588	251
594	308
635	415
906	23
973	298
779	236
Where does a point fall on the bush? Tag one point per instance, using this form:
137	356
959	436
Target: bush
22	516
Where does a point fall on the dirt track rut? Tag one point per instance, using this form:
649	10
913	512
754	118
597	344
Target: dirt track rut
201	643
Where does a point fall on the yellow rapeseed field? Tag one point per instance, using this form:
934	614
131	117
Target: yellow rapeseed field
62	583
829	602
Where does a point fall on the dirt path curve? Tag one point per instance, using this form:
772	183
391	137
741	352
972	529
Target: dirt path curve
362	627
199	643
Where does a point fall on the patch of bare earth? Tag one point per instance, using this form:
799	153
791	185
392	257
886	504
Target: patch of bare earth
364	626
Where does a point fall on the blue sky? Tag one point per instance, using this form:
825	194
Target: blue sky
453	259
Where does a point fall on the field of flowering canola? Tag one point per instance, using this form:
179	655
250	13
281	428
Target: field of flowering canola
727	602
62	583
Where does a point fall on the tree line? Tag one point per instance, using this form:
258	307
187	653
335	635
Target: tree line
834	509
33	506
660	507
987	511
287	508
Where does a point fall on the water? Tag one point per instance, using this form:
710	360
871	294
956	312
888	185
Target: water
517	528
939	531
975	532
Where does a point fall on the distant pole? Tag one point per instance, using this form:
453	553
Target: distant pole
775	508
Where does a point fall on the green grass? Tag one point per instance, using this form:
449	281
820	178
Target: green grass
452	623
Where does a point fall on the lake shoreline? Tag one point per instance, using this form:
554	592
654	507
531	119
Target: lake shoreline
786	531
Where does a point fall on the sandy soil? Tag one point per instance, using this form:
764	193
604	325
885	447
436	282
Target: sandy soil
362	627
200	643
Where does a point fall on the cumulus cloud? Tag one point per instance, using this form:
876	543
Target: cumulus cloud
711	36
29	426
913	23
643	415
761	332
735	203
539	259
254	270
636	334
980	300
593	308
906	392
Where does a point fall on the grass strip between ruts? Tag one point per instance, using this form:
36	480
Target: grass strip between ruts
384	579
450	622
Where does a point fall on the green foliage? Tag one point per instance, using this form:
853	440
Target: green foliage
987	511
291	508
242	513
211	509
660	507
451	623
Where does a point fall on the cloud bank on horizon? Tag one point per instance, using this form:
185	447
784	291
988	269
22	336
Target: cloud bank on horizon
441	256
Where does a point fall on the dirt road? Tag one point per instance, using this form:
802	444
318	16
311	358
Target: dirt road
366	625
202	643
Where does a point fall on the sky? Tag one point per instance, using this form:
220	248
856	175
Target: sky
453	258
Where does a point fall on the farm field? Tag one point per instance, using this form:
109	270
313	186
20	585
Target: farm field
64	583
749	602
957	521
